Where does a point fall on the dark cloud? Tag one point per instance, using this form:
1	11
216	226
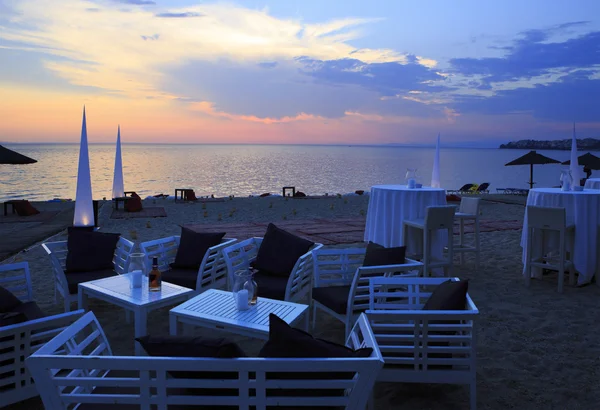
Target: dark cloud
386	78
571	98
137	2
153	37
185	14
532	55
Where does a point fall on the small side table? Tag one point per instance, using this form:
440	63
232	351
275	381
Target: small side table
122	199
289	188
12	204
181	193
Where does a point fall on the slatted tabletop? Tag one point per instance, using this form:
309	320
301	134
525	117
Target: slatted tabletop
218	307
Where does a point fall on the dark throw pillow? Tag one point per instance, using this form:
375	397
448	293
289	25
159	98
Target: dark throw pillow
24	208
133	204
190	346
279	251
192	247
449	295
90	251
377	255
8	301
11	318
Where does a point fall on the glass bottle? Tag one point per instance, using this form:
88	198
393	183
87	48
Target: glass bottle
154	279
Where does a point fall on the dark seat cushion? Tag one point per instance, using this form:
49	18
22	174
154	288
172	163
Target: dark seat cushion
8	301
279	251
180	276
449	295
11	318
269	286
377	255
90	251
30	310
193	246
333	297
75	278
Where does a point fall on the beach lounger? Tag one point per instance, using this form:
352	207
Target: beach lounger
483	188
66	283
77	369
24	328
212	272
462	190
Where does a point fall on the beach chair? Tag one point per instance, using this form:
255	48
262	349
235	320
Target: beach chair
463	189
468	210
241	256
77	369
483	188
341	282
24	328
66	283
419	345
212	273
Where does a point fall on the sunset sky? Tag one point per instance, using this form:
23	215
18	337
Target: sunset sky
299	71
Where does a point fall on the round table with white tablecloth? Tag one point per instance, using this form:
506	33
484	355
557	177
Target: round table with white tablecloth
592	183
389	205
583	211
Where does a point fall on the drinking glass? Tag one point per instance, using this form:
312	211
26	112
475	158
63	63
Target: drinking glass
137	269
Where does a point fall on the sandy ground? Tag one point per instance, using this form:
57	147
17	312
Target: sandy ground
537	349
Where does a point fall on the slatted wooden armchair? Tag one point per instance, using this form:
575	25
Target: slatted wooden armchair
22	337
77	369
66	284
295	288
422	346
341	282
212	273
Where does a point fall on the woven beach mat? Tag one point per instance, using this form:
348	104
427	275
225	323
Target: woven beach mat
150	212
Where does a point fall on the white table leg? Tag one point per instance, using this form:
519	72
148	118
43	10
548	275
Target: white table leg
140	327
173	324
82	299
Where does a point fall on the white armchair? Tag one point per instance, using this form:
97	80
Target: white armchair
295	288
211	274
66	284
422	346
341	283
19	340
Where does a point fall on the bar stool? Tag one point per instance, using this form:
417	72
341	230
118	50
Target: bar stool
436	218
468	210
549	219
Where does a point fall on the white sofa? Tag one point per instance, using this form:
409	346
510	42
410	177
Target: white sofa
77	368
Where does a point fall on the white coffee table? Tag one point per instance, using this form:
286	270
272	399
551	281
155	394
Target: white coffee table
215	309
140	301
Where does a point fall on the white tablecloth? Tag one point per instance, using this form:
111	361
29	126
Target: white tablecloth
583	210
389	205
593	183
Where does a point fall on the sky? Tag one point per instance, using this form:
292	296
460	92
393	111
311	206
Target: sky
300	72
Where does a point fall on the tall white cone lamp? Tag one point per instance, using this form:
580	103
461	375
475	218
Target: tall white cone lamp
118	190
435	174
84	207
574	167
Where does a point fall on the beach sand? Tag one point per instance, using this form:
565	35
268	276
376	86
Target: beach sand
536	349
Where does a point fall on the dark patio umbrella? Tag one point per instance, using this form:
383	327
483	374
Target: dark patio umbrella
8	156
587	160
532	158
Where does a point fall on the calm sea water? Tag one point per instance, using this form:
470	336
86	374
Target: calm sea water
243	170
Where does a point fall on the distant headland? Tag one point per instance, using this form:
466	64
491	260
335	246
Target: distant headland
590	144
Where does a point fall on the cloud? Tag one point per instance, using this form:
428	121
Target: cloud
184	14
153	37
572	98
137	2
534	55
271	64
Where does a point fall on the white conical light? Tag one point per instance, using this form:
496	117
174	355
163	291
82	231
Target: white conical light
574	167
84	207
435	174
118	190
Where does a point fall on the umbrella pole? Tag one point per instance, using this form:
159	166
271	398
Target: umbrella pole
530	176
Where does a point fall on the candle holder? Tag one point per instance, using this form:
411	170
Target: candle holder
244	290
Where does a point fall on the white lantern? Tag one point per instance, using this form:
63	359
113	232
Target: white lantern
84	206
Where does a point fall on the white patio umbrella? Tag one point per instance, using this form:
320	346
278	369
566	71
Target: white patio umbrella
118	189
435	174
574	166
84	206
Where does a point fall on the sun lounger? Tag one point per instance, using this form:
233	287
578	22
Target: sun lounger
463	189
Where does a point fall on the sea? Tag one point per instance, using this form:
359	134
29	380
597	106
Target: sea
244	170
